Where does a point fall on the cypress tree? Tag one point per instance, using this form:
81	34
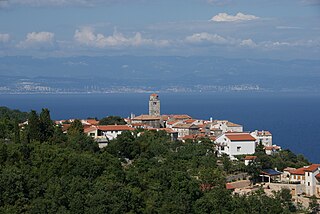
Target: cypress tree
46	125
16	130
33	128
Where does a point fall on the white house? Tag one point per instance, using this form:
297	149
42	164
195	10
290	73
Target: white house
264	137
226	126
312	180
235	144
102	134
309	177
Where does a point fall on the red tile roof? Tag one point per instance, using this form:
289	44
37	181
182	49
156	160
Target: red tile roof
250	157
115	128
65	127
185	126
89	129
264	133
189	121
181	116
146	117
168	130
193	136
230	124
312	168
299	171
318	177
172	122
229	186
240	137
92	121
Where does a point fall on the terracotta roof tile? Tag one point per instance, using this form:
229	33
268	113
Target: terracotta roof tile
312	168
250	157
181	116
146	117
230	124
299	171
115	128
240	137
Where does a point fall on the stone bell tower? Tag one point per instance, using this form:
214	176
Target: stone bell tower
154	105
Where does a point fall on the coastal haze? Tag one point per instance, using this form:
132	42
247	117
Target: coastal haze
151	73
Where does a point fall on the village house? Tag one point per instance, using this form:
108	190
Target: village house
270	150
235	144
148	120
263	137
308	176
185	129
226	126
249	159
103	134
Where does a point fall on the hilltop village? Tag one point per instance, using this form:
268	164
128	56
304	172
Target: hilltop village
228	139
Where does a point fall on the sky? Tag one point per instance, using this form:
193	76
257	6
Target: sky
275	29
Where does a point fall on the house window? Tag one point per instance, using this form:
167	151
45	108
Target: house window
294	177
238	148
308	183
308	173
299	177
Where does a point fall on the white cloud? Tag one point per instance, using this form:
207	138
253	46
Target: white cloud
37	39
248	43
4	37
87	37
206	37
224	17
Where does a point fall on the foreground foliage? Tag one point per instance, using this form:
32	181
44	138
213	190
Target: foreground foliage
146	174
47	171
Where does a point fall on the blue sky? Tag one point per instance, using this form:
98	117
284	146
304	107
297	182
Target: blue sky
278	29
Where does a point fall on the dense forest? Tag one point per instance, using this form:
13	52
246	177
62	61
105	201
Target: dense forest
43	170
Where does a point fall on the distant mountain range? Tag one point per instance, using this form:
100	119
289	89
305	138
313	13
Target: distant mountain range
19	74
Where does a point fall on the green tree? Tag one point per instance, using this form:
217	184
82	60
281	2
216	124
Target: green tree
76	128
46	125
112	120
33	128
16	132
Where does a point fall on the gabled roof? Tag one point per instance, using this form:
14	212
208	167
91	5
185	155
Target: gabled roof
115	128
302	170
173	122
230	124
250	157
193	136
299	171
181	116
185	126
240	136
146	117
92	121
312	168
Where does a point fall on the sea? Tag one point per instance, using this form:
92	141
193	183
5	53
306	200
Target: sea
292	118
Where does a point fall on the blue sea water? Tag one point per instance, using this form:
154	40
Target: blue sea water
293	119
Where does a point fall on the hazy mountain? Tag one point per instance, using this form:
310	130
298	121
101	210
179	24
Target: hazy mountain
159	73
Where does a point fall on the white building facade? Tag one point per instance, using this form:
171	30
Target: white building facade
235	144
